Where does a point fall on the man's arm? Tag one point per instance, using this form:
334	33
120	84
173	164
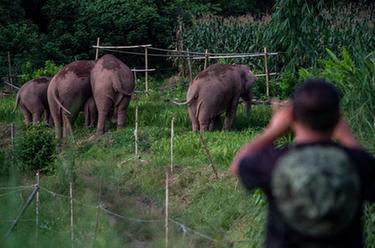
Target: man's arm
279	125
344	135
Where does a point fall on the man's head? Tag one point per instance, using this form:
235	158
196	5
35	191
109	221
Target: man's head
316	105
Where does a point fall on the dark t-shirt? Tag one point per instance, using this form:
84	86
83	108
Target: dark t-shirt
256	171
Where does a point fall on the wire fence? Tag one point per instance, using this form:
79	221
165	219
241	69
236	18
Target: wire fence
185	229
189	55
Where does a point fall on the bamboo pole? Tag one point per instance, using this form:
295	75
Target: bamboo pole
97	213
205	59
122	47
266	72
10	70
135	75
37	210
208	154
97	48
71	214
189	66
12	133
166	208
172	138
146	69
136	131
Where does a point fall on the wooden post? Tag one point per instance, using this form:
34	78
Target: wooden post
189	65
37	209
166	207
205	59
12	133
97	49
266	72
97	213
135	75
71	214
172	138
10	70
136	131
146	69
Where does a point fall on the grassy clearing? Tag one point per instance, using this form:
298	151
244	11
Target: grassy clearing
135	187
106	173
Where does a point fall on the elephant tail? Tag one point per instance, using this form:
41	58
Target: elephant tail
60	104
187	102
17	102
181	103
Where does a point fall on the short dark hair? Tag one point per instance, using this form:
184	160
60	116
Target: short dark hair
316	104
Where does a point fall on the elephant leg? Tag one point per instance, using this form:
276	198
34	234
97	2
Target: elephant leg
93	117
230	114
204	125
48	118
214	123
104	105
193	118
67	127
37	117
27	115
121	112
87	118
204	121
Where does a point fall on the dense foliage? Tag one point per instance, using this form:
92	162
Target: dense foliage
301	32
39	30
35	148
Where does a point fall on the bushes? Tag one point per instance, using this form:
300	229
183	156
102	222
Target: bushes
35	148
28	72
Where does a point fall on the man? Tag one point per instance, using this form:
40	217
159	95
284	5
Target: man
316	186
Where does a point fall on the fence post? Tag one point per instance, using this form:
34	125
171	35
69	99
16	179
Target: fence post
172	138
97	48
266	72
37	210
10	70
205	58
135	75
12	133
189	66
71	214
166	207
136	131
146	69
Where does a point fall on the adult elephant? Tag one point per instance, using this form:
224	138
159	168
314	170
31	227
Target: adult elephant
216	90
32	100
112	85
67	93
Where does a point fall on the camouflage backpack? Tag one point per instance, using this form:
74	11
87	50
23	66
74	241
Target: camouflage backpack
316	190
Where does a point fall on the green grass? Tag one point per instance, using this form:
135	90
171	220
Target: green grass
106	172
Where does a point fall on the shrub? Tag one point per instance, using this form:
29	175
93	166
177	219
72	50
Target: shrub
34	148
28	72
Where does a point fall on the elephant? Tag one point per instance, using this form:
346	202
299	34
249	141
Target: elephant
67	93
215	90
91	113
32	99
112	85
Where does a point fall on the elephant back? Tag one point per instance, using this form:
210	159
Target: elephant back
110	73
